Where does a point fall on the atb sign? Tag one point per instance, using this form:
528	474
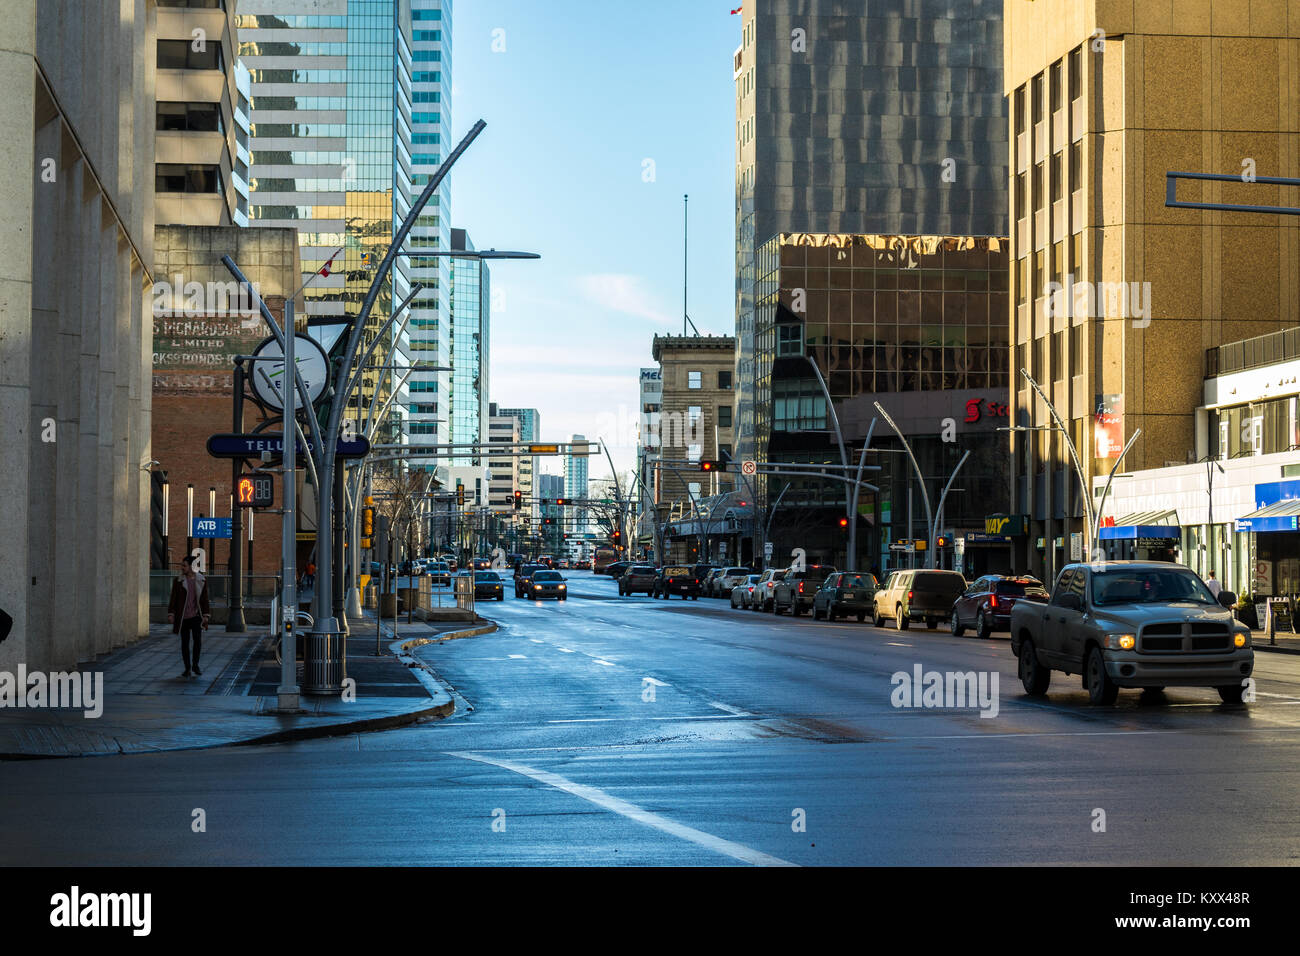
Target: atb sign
210	528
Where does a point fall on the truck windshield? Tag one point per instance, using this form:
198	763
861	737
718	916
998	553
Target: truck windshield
1148	586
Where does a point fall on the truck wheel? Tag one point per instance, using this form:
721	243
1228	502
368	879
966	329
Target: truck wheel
776	607
1033	675
795	609
1102	691
1232	694
957	629
900	619
982	627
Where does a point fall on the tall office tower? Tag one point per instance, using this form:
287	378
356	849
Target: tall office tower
469	329
1108	98
575	486
76	254
202	127
893	123
530	426
503	470
348	120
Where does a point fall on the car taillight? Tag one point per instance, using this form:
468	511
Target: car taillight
909	596
993	600
801	587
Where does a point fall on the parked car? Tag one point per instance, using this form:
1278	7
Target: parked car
1146	624
925	596
845	593
708	581
547	583
439	572
701	573
761	600
794	592
524	578
726	579
986	605
676	579
488	584
742	592
639	578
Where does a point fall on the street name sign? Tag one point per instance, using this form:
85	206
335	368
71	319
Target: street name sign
252	446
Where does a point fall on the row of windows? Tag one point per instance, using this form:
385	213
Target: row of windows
305	48
1056	79
290	22
424	159
1053	175
298	212
426	56
422	386
819	279
426	96
299	76
424	408
300	129
425	139
426	14
695	379
427	36
299	157
426	76
302	102
1049	265
425	118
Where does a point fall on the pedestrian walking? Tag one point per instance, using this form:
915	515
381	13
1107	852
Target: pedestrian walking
188	612
1214	585
309	576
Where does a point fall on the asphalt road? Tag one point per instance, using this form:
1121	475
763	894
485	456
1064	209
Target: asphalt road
609	730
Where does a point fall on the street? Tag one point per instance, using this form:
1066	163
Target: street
632	731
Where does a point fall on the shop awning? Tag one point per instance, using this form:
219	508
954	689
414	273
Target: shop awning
1143	524
1279	516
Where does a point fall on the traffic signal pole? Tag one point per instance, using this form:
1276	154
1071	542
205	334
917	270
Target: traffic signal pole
235	622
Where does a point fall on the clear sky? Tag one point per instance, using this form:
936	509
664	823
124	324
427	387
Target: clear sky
581	96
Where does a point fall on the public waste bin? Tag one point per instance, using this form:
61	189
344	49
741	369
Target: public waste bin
324	666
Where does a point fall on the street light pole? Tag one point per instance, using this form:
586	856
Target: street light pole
925	495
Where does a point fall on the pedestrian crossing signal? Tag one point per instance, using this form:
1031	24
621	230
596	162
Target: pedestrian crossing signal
255	491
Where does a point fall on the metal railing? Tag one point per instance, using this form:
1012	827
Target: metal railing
1257	352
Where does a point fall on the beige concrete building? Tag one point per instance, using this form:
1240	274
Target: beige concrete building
202	158
76	236
1106	96
696	417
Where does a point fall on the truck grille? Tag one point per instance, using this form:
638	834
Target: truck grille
1198	637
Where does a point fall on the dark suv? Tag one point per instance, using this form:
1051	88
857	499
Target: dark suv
796	590
639	577
677	579
524	578
987	603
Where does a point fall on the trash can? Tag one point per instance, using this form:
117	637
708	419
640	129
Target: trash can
324	666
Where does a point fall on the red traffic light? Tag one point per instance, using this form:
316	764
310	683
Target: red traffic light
844	522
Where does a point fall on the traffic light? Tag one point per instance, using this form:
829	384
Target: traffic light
941	542
561	502
711	465
544	501
518	500
844	522
367	522
255	491
460	496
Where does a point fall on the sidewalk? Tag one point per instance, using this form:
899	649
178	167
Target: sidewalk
148	707
1287	643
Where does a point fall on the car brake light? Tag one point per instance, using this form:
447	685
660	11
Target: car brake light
801	587
993	600
909	596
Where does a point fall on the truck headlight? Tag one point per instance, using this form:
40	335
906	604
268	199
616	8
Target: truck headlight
1121	642
1240	640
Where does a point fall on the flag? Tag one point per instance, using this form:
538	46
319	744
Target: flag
737	10
325	269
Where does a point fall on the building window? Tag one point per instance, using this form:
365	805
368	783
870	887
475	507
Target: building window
169	178
694	414
1056	176
1038	98
1076	166
1076	75
1020	111
180	55
694	379
1056	86
1020	197
694	452
1076	350
1038	186
798	406
724	416
1022	279
189	117
724	379
789	340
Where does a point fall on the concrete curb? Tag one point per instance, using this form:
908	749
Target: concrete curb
1274	649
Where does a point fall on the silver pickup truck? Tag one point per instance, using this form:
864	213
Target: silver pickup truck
1143	624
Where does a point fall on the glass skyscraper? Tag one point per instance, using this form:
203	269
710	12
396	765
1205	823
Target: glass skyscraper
470	306
347	125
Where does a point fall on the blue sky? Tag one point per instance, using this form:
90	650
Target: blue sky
583	93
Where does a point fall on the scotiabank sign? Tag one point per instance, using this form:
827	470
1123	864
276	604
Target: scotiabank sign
979	409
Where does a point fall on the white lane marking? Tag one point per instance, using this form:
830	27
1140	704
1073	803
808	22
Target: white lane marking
895	644
657	683
518	657
609	720
535	640
729	709
564	649
597	660
736	851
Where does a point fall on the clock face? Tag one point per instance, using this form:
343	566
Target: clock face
268	374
